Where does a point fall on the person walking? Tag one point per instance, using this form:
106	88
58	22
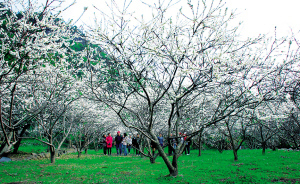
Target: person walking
118	140
109	141
129	143
187	145
103	141
181	138
136	141
161	140
124	144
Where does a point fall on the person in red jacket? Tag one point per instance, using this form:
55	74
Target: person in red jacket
109	141
187	144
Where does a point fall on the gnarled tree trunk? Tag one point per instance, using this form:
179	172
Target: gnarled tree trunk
235	154
172	167
263	144
6	147
17	145
199	141
52	154
152	160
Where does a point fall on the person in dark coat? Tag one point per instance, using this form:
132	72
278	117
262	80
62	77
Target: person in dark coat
129	141
187	145
118	141
103	141
136	141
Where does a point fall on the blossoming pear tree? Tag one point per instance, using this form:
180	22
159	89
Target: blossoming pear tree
31	37
166	60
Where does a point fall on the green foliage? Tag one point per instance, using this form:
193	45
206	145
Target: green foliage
78	46
80	74
103	55
32	146
211	167
94	63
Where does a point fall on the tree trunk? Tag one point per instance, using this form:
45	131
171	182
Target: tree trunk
2	146
232	143
170	150
79	154
95	146
85	151
52	154
174	171
65	136
199	141
5	148
200	147
263	143
235	154
172	167
51	148
152	160
263	148
70	143
295	142
17	145
142	146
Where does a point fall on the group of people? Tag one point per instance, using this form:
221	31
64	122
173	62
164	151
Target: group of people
125	143
173	143
184	139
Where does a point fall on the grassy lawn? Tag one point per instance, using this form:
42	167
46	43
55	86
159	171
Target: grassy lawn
213	167
32	146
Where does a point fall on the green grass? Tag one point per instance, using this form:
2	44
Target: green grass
212	167
32	146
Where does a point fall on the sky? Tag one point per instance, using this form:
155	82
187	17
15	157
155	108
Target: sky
258	16
261	16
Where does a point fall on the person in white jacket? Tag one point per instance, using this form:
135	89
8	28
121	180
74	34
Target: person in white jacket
124	143
129	143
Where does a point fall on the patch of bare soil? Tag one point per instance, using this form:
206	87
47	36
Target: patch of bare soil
239	165
225	180
19	156
287	180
